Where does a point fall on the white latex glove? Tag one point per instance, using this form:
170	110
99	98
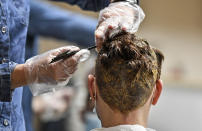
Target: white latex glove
118	17
38	69
44	77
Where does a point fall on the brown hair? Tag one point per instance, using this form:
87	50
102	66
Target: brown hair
127	68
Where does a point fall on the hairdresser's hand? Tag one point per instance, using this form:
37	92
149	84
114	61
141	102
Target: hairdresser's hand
118	17
38	69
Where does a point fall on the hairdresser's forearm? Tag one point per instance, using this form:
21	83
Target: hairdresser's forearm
18	77
93	5
65	27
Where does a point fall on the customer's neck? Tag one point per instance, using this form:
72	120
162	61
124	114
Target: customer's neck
115	118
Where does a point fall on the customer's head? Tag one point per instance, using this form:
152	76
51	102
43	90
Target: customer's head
127	75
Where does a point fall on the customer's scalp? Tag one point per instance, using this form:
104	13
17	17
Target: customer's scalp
127	68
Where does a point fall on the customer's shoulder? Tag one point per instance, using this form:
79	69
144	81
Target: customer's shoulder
149	129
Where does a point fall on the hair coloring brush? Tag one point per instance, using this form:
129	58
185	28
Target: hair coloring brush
67	54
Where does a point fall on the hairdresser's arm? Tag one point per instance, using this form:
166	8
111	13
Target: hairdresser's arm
50	21
18	77
118	16
93	5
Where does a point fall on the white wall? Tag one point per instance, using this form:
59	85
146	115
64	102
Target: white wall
175	27
179	109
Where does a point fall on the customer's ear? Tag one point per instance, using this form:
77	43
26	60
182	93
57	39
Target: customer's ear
157	93
91	86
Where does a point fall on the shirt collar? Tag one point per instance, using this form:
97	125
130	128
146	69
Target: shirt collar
124	128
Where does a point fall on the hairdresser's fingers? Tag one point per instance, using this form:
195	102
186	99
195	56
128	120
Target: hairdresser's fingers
103	30
100	35
72	61
70	70
118	17
108	20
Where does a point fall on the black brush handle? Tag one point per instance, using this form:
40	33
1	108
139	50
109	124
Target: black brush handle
92	47
64	56
67	54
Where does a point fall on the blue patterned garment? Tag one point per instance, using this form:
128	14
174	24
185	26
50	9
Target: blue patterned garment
14	16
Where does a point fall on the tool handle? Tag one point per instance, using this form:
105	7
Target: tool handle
68	54
92	47
63	56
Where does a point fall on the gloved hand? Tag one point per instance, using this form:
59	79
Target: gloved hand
38	70
118	17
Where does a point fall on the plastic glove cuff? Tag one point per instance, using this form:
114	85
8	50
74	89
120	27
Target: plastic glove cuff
132	2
